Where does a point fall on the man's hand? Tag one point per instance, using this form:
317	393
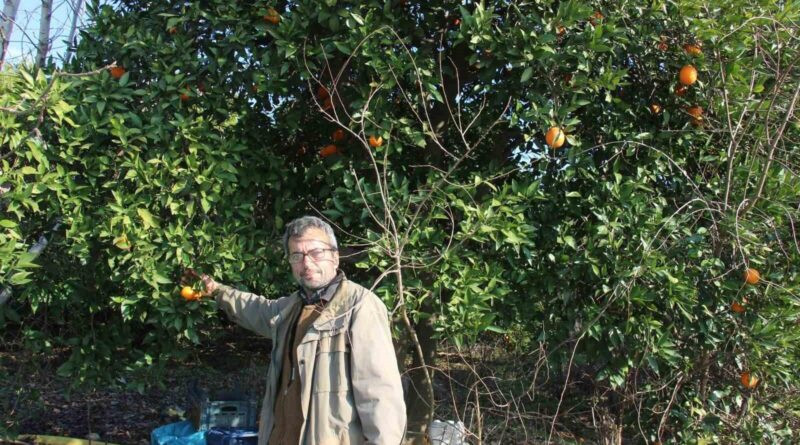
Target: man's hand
209	285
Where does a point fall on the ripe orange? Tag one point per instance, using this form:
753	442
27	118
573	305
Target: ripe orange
184	97
322	93
173	30
692	50
187	293
560	30
596	17
695	111
748	380
752	276
738	307
688	75
117	72
329	150
555	137
456	21
655	108
272	16
375	142
338	135
680	90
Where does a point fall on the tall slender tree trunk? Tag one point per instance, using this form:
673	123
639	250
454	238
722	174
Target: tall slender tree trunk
77	11
6	26
419	397
44	32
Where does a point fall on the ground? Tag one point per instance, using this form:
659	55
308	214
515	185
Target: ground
37	401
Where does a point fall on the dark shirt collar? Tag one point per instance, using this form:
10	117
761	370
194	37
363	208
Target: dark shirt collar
324	293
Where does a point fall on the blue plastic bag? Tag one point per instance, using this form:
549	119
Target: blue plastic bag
178	433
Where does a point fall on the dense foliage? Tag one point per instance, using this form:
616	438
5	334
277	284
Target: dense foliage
612	266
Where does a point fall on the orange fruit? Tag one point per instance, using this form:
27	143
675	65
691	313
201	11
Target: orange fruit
738	307
117	71
695	111
329	150
596	17
456	21
327	105
555	137
184	97
187	293
322	93
748	380
692	50
272	16
173	30
752	276
560	30
375	142
688	75
338	135
655	108
680	90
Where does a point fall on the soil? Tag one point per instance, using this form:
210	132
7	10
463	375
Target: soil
34	400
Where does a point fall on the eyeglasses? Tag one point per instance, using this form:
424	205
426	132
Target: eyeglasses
314	254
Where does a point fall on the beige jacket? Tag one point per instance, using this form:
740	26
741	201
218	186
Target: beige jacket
350	384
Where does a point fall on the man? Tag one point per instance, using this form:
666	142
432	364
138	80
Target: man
333	376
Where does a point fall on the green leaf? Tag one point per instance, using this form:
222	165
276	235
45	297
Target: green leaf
526	75
147	217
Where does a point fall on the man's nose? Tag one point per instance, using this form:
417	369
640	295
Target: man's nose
307	261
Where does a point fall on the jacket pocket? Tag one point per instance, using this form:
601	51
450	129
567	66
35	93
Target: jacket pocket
332	367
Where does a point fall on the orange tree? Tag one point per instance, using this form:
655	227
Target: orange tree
612	263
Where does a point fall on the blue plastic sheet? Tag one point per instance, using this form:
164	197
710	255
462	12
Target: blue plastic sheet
178	433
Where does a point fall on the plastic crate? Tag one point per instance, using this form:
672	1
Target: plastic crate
231	436
227	413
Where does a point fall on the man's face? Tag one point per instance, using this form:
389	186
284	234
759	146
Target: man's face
309	273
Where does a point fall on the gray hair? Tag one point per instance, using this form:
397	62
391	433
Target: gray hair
298	226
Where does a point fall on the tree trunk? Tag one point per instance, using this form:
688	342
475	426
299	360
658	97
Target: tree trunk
419	398
44	32
77	10
6	26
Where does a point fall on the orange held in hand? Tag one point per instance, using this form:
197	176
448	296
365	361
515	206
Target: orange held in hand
555	137
688	75
752	276
189	294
